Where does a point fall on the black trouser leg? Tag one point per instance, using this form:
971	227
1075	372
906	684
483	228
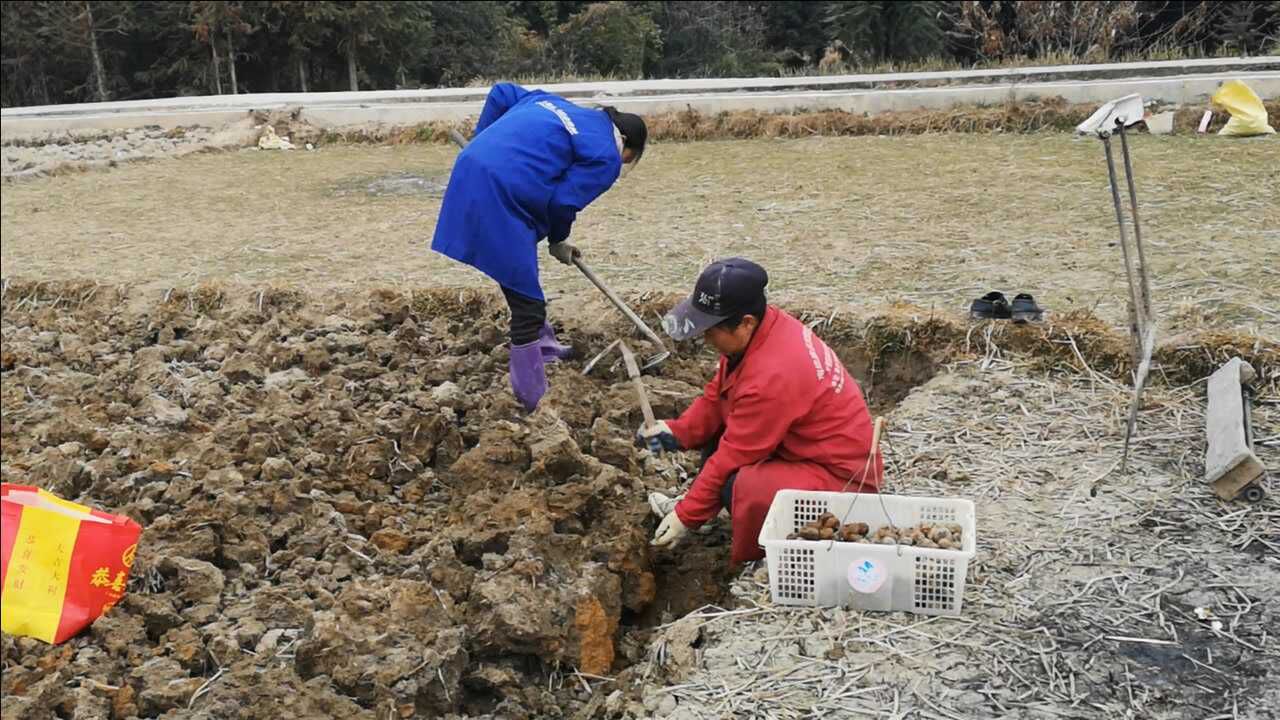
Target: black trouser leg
527	316
726	490
710	448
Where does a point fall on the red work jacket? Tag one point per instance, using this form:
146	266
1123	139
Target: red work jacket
792	418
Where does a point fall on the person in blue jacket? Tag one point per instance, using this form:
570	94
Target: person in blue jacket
535	161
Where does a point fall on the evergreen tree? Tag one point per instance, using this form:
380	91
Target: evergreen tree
27	75
609	38
471	40
796	25
711	37
56	51
889	29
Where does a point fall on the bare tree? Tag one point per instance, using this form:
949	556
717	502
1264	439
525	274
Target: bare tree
353	71
231	61
99	69
217	65
1092	30
78	27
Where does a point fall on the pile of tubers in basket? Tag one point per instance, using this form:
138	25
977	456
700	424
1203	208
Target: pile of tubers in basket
938	536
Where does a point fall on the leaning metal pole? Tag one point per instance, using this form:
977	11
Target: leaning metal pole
1143	275
1135	321
1141	323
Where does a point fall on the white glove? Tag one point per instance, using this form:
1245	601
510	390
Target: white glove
670	530
564	251
661	504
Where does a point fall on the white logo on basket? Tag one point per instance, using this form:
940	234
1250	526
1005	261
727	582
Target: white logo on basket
564	116
866	576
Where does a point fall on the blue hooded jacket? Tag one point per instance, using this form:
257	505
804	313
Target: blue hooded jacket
536	160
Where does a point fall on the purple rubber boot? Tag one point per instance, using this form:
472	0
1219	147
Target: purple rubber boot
552	350
528	375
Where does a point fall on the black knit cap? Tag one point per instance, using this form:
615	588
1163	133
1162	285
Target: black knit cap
631	127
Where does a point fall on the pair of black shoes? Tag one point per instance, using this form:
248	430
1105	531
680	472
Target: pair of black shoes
994	306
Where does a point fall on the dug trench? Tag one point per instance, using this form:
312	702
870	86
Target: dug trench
347	515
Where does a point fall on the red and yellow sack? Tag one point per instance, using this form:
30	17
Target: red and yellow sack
61	564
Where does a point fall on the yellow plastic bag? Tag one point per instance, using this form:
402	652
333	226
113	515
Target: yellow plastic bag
1248	115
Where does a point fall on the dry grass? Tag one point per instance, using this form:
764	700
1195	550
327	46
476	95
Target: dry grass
844	223
1054	114
1051	114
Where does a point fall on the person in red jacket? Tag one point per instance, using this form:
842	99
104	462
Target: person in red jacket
781	412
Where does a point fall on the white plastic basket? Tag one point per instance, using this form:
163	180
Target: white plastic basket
816	572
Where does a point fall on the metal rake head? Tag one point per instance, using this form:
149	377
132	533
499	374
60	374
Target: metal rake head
649	362
655	360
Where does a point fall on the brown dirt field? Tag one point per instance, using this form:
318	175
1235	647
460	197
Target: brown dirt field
346	515
340	492
845	222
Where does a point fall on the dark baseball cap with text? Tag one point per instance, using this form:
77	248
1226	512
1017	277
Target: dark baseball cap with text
724	289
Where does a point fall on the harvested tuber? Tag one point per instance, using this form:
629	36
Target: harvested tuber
932	536
849	533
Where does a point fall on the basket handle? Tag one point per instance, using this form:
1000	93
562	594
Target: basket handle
876	430
872	454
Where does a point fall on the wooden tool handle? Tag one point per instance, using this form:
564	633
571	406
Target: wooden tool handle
633	370
617	302
645	409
